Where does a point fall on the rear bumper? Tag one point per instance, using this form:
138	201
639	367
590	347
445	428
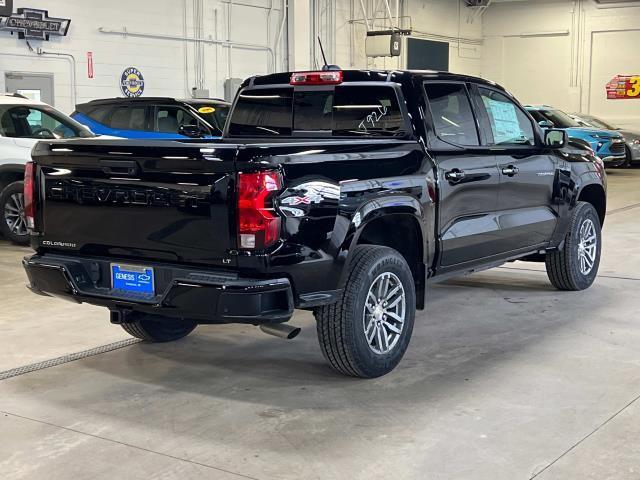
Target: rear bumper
206	296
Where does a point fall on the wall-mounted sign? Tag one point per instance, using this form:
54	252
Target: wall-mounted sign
132	82
6	8
623	87
34	24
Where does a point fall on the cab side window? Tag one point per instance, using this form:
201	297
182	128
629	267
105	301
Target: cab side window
170	119
452	115
509	124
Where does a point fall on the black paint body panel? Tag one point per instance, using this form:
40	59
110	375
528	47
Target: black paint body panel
174	202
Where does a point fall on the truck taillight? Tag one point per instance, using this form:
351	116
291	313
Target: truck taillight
30	194
258	223
325	77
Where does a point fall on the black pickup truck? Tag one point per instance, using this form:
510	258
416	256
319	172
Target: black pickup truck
340	192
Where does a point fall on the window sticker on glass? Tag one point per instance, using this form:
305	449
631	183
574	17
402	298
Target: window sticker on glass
373	119
505	121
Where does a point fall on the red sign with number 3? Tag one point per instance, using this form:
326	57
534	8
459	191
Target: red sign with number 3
624	87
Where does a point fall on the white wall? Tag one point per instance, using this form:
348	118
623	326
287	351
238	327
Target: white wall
444	20
556	52
162	61
563	53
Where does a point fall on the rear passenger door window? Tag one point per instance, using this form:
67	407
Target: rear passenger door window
128	118
99	114
453	118
510	126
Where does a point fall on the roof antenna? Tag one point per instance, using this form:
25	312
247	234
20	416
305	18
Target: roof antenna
326	66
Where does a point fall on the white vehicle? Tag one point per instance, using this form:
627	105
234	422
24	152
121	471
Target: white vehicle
23	123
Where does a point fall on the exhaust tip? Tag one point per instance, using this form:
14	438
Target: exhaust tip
294	333
281	330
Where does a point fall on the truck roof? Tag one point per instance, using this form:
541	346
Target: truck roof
375	76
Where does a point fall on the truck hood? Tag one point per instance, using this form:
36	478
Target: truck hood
630	135
584	132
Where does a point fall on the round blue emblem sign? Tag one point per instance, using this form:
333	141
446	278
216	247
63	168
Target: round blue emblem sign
132	82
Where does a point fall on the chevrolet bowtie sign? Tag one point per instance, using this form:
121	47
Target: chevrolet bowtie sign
30	23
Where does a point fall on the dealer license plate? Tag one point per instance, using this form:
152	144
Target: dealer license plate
132	278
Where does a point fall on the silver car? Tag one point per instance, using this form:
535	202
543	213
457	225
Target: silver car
632	137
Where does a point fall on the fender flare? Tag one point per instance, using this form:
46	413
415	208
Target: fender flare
10	169
384	205
584	180
587	180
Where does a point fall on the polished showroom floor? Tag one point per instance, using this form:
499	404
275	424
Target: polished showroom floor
505	378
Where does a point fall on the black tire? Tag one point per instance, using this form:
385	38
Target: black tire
628	160
155	328
12	231
564	266
341	326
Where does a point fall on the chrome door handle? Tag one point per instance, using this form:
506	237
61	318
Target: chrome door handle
455	175
510	171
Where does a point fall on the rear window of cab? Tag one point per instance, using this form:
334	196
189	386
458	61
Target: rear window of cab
345	111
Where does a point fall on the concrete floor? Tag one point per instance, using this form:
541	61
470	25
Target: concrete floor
505	378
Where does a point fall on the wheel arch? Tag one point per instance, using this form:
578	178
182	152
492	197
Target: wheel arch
595	195
401	230
9	173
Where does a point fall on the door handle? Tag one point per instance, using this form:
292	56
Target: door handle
455	175
119	167
510	171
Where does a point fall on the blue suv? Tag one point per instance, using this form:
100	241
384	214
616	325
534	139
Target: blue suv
608	145
154	117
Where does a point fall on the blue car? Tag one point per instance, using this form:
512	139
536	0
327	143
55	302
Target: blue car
154	118
607	144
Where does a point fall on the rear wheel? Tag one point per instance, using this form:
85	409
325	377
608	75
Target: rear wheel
575	266
156	328
13	224
366	333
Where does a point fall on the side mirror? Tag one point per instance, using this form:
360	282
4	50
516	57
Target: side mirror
192	131
555	138
546	124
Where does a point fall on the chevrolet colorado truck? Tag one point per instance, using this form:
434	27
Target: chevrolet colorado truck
341	192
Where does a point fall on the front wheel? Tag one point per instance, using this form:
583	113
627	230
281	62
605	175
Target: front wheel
366	333
155	328
575	266
13	224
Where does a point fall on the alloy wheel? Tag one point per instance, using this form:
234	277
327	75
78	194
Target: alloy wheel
384	313
14	214
587	246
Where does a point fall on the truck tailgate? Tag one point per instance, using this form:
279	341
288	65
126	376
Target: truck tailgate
162	201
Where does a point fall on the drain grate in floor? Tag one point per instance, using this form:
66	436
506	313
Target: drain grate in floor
53	362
